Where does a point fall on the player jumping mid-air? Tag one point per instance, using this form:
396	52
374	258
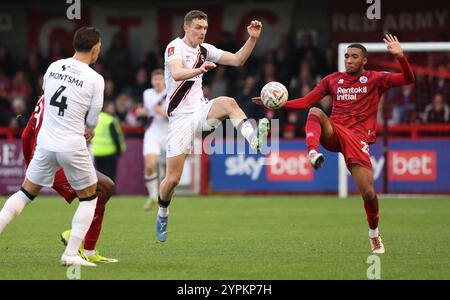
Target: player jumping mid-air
186	60
351	128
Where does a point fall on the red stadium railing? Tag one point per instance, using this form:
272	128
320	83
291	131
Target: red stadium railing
6	133
412	131
415	131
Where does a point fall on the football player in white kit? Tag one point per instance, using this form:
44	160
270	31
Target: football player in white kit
186	59
75	98
155	138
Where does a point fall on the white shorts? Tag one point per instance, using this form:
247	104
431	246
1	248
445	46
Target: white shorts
77	165
155	142
184	127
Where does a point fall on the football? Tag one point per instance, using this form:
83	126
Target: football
274	95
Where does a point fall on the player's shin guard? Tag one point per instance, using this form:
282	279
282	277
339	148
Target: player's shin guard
94	231
14	206
313	132
163	210
245	127
80	224
371	207
151	182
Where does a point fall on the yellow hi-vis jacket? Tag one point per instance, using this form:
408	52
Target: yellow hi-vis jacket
108	139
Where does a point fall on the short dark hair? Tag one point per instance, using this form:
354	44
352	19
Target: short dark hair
85	38
360	47
157	72
194	14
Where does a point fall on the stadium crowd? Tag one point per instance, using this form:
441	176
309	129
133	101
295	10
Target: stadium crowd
298	68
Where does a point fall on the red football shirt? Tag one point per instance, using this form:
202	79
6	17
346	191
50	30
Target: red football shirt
31	131
355	97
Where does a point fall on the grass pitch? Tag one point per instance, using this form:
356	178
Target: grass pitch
238	237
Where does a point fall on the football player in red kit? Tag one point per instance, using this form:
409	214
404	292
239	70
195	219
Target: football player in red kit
105	188
351	128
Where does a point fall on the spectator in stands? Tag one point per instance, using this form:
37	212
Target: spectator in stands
108	143
329	63
18	116
387	111
6	61
303	84
283	65
441	82
118	61
123	105
155	58
227	42
269	74
438	111
5	86
20	86
110	91
248	90
141	84
57	52
219	83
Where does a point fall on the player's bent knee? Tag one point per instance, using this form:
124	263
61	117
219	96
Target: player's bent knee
87	192
315	111
107	186
228	103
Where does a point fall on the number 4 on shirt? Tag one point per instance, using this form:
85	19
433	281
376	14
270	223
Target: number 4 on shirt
61	105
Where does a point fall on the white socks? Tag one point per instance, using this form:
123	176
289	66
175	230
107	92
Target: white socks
373	232
247	130
12	208
151	182
163	211
81	222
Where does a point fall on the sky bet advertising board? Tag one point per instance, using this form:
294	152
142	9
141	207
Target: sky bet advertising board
414	167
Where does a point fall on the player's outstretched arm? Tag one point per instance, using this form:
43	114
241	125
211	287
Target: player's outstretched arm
394	47
239	58
299	103
179	73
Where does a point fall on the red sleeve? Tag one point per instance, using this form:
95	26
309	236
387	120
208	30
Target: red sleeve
28	141
320	91
389	80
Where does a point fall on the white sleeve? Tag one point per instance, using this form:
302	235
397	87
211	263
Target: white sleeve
214	54
149	102
96	104
173	51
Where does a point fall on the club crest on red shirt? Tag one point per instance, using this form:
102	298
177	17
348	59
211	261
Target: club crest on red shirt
363	79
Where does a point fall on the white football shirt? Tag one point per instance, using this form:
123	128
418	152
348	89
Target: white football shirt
151	98
185	96
73	93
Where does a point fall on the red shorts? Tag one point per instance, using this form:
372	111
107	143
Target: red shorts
354	149
60	185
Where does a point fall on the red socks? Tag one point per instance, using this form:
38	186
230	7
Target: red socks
372	212
94	231
313	132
